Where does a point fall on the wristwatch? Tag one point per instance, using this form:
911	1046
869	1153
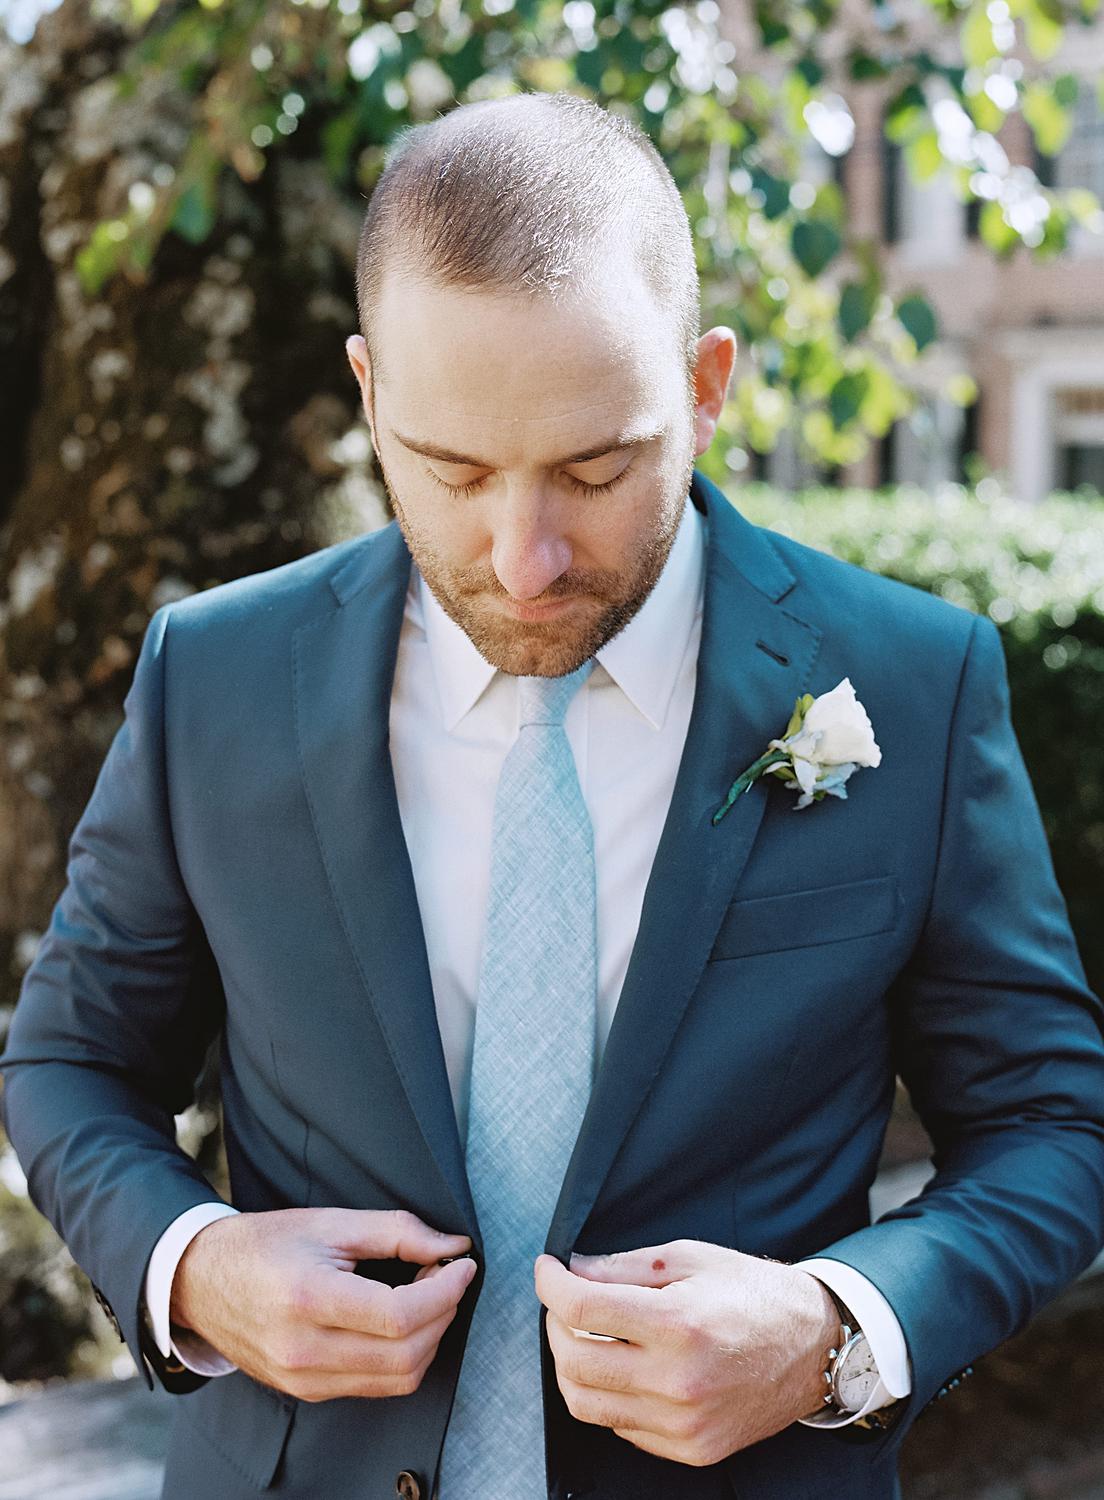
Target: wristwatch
851	1373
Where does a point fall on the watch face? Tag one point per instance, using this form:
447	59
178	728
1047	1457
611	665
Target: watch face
857	1375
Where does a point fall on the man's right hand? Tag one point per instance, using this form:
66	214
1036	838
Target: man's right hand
276	1292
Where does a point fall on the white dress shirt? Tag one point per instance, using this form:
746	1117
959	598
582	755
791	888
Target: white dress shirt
453	718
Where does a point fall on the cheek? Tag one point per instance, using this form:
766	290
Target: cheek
452	539
615	528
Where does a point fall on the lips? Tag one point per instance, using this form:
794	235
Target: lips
522	611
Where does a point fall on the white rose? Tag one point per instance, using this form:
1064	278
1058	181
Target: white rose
835	730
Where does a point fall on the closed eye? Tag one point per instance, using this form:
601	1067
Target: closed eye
576	484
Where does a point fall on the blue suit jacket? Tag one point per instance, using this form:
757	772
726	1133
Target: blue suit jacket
241	868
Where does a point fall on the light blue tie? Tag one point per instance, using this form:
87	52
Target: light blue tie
531	1076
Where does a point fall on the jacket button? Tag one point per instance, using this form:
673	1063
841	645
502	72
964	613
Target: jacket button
408	1485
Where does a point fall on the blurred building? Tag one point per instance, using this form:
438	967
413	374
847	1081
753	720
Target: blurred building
1031	333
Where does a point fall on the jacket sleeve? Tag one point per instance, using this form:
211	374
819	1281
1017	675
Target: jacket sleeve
112	1025
998	1039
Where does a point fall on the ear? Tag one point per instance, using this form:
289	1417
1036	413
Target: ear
716	357
356	351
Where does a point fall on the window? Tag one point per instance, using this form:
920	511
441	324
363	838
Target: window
1080	163
1079	437
928	446
928	217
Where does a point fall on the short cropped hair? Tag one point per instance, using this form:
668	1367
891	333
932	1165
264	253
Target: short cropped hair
524	194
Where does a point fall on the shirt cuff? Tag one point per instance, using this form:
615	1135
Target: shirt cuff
883	1332
189	1347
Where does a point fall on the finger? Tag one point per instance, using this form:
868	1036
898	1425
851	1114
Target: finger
326	1386
434	1268
402	1376
600	1366
621	1414
650	1442
642	1315
342	1351
371	1234
339	1299
651	1265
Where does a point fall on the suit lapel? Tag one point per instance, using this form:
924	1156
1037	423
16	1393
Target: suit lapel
344	665
754	660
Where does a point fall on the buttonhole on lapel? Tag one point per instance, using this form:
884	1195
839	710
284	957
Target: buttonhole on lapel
785	660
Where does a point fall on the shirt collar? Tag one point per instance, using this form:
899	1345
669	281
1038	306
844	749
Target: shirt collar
643	658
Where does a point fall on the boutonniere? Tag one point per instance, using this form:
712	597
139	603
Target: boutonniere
826	739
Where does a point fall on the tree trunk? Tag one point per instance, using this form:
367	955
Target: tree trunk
159	437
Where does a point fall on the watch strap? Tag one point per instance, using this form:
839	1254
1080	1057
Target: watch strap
846	1316
830	1408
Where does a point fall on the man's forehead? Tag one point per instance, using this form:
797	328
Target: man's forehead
477	338
503	382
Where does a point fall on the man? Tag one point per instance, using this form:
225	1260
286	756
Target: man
389	819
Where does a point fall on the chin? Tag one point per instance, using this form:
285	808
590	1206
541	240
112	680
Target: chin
533	654
527	648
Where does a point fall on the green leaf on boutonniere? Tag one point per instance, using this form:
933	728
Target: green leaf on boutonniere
783	770
797	718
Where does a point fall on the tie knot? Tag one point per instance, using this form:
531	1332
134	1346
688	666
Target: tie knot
544	700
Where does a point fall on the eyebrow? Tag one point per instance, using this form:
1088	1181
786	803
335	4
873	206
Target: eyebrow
610	445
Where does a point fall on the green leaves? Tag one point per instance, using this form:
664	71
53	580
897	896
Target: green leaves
777	258
856	308
905	113
917	318
775	191
463	65
99	258
797	718
847	397
995	230
976	35
923	156
1047	118
195	212
1043	27
814	243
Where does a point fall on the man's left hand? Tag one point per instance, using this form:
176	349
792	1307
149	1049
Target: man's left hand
721	1349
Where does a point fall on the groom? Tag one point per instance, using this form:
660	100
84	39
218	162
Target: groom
299	841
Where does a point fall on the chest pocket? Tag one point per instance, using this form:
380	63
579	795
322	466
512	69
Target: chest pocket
802	919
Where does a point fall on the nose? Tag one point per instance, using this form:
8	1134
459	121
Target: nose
529	551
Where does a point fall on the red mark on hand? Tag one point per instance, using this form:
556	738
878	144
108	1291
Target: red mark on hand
659	1265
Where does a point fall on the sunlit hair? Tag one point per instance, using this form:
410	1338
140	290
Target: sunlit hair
527	194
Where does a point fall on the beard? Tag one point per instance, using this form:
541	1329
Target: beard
605	601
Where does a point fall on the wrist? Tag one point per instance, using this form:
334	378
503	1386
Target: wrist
191	1274
822	1331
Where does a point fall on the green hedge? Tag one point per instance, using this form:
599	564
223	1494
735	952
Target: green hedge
1038	572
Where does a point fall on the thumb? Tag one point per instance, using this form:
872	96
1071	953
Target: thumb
651	1265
